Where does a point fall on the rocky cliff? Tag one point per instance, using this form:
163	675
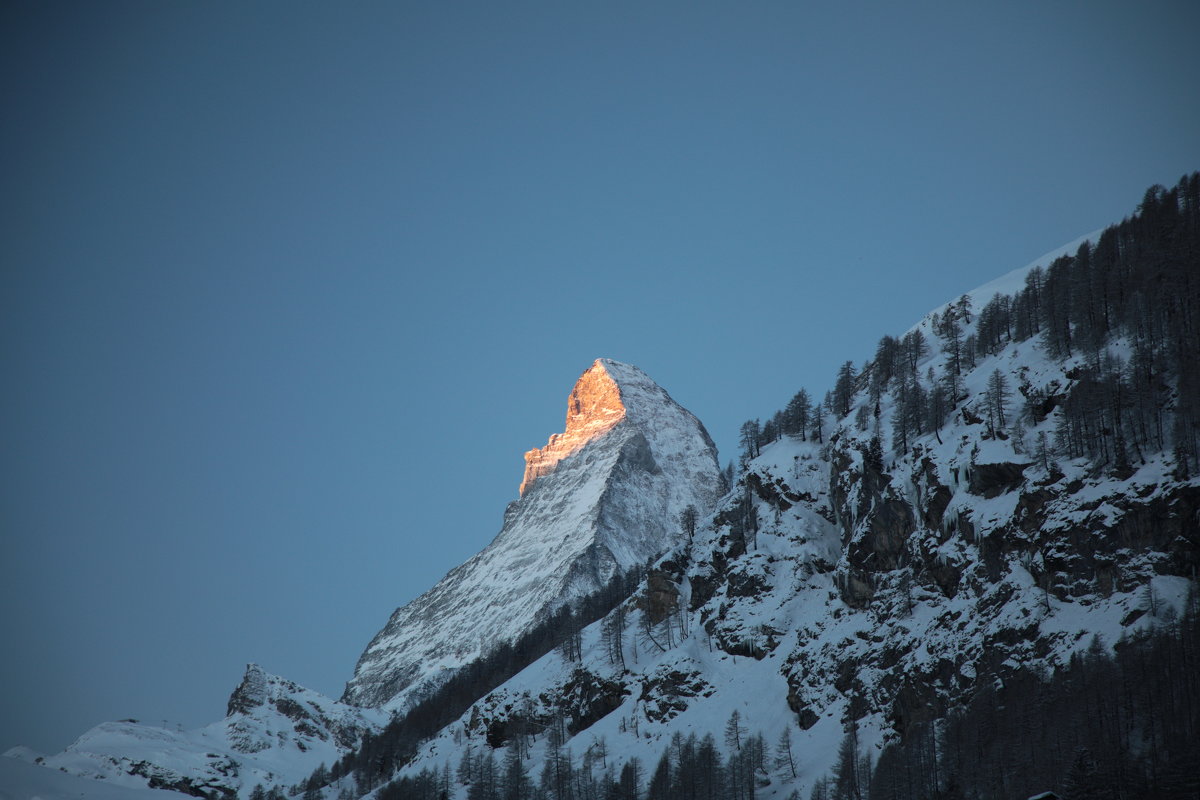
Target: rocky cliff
593	408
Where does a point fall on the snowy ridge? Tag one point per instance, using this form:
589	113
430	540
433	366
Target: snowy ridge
1012	282
276	732
609	499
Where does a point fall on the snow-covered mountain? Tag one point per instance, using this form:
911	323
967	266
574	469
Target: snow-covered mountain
275	732
826	590
939	535
600	497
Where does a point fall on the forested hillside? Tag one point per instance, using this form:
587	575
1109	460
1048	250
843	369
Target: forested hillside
1127	307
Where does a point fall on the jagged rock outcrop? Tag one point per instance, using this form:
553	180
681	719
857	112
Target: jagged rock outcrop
602	496
593	408
311	717
275	731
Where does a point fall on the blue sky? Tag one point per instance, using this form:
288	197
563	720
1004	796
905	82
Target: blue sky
289	288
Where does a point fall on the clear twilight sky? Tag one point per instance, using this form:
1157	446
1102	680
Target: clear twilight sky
287	289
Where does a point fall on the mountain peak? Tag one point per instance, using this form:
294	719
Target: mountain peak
594	407
606	495
250	693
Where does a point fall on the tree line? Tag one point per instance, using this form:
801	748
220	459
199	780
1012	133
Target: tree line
691	767
1105	727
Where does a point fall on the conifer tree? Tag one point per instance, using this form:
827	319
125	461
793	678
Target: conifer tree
629	784
843	389
995	399
1083	782
884	364
915	348
873	456
952	346
795	416
556	778
660	780
785	760
749	438
516	783
734	732
466	773
486	785
846	778
938	404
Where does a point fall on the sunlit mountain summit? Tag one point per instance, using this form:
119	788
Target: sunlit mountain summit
599	498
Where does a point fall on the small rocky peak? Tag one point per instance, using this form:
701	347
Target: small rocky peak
594	407
250	693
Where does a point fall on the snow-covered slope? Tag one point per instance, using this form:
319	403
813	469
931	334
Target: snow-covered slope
276	732
23	780
1012	282
603	496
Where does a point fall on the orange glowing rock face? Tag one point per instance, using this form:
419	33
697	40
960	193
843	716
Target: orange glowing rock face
593	408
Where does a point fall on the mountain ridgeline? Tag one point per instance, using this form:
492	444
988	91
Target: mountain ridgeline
969	570
1123	309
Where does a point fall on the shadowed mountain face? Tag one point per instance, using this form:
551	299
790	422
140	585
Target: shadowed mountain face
600	497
